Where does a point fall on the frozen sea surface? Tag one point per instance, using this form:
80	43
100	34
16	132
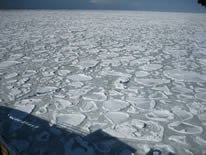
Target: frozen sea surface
137	76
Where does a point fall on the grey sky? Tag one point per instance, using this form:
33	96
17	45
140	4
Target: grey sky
148	5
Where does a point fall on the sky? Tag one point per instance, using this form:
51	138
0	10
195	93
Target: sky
146	5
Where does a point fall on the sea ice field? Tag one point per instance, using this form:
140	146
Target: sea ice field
103	82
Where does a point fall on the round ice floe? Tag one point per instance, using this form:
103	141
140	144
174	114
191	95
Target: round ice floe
158	95
88	63
141	74
76	84
96	96
79	92
117	117
88	106
42	110
62	103
181	75
140	103
196	108
183	115
132	110
70	119
151	67
137	130
63	72
114	105
160	115
79	77
185	128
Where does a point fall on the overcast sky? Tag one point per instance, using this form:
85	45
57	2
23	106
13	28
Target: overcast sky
153	5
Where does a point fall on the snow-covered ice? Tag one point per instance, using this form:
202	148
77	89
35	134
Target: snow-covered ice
137	76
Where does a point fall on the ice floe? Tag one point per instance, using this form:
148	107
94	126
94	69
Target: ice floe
70	119
44	90
201	96
151	82
185	128
96	96
88	106
160	115
11	75
182	75
117	117
114	105
200	140
141	103
132	81
63	72
79	77
141	74
88	63
182	115
62	103
138	130
7	64
178	139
